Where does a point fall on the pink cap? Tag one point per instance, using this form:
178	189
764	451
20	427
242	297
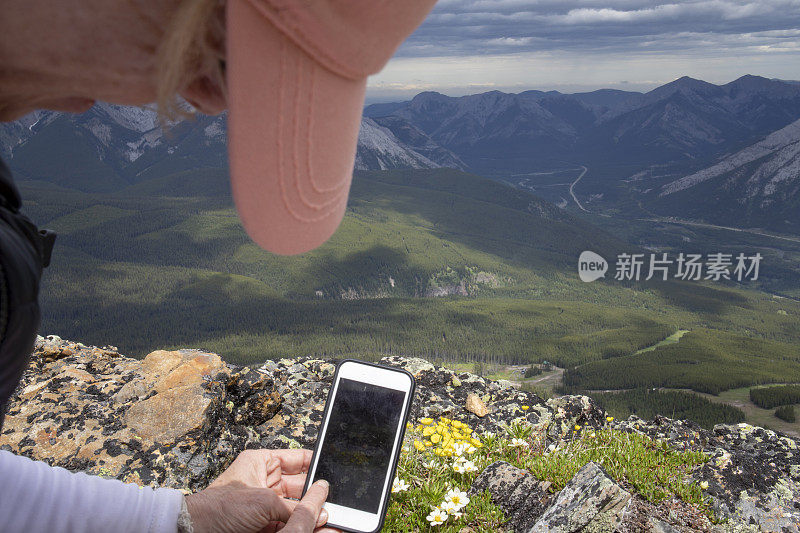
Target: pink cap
297	72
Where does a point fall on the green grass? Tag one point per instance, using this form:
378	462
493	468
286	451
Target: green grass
672	339
656	471
652	469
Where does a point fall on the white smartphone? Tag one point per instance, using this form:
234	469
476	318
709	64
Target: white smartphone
359	443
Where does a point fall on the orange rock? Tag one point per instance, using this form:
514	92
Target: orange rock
169	414
76	373
191	372
476	406
160	362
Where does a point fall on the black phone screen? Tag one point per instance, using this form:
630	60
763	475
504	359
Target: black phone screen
355	455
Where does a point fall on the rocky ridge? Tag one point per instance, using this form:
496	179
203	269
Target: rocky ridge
177	418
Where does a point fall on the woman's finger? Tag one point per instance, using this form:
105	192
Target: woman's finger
293	461
307	514
292	486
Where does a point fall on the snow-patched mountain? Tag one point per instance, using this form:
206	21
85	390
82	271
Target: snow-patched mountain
780	148
110	147
409	136
759	185
379	149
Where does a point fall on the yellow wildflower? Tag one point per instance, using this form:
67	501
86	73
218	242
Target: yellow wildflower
435	438
419	445
428	443
526	407
577	427
428	431
426	421
609	419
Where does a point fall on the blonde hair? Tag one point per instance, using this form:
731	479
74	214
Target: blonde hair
194	43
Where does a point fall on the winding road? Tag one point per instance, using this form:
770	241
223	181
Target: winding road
712	226
572	188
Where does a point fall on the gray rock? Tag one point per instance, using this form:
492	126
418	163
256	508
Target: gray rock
772	513
659	526
591	500
522	497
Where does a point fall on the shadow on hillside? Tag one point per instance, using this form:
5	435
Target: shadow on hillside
699	298
181	319
379	271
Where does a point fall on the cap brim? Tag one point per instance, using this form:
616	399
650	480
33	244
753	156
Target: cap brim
292	135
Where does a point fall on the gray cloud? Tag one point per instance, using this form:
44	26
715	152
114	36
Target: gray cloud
498	27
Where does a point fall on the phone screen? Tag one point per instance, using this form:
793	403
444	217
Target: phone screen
355	455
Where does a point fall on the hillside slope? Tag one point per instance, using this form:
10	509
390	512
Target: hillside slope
437	263
758	186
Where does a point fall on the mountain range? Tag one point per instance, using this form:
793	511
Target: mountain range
111	147
685	129
686	119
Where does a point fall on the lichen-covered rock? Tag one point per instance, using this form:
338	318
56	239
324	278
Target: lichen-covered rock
177	418
168	420
437	397
591	501
571	411
522	497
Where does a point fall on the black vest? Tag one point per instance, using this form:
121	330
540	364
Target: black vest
24	252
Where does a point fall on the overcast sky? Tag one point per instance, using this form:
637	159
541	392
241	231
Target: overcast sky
470	46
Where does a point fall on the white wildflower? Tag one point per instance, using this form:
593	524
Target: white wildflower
437	517
398	485
456	500
468	466
459	448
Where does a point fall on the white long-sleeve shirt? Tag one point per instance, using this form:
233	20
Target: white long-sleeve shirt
35	497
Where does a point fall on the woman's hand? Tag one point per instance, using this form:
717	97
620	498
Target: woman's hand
251	496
